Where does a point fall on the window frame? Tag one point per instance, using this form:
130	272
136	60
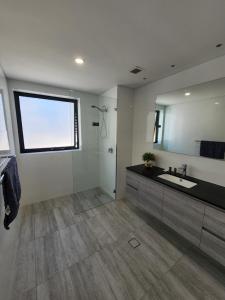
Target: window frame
17	95
156	127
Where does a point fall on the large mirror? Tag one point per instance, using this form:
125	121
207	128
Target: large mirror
192	120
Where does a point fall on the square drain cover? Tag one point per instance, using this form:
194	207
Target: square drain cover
134	242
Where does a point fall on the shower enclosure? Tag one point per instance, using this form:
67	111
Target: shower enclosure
94	165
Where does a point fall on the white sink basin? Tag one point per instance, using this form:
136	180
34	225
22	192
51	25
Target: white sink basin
180	181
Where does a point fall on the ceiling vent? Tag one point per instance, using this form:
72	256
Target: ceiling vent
136	70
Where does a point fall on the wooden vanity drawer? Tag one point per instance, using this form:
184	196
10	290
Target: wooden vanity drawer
144	193
132	179
132	188
132	194
151	197
214	220
184	214
213	245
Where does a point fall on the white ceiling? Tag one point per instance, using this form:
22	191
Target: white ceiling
210	90
39	39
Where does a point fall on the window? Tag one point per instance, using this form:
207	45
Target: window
46	123
4	142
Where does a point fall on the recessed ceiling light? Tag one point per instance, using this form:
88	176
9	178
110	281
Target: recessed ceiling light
216	103
79	60
219	45
173	66
187	94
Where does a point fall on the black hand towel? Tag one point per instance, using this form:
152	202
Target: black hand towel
212	149
11	191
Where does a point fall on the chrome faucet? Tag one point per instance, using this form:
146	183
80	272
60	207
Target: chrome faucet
183	169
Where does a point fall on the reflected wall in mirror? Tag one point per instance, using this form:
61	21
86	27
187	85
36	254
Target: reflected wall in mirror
192	120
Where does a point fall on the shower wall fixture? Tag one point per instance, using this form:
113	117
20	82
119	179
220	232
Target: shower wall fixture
101	109
103	128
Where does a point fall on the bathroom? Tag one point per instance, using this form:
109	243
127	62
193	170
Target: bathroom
94	219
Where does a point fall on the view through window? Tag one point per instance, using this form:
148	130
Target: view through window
46	123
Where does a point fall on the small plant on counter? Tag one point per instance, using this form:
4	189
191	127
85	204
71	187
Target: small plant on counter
148	159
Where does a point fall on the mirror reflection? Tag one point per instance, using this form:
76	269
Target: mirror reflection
192	120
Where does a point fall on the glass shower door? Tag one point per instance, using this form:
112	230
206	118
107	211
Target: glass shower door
94	165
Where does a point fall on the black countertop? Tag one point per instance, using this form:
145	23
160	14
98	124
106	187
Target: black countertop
205	191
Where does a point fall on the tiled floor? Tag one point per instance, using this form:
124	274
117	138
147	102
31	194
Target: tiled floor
88	247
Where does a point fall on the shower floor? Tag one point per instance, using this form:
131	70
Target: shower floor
80	202
48	216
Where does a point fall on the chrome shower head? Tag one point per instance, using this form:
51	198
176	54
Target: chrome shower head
102	109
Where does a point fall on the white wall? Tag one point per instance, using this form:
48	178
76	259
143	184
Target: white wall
8	239
54	174
107	161
144	105
4	89
124	136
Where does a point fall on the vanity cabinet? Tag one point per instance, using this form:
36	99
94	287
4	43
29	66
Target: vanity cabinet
178	211
144	194
183	214
201	224
213	234
132	188
151	197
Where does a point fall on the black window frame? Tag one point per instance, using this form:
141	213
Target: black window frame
18	94
157	127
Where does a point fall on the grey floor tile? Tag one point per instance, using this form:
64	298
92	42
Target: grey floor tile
77	206
25	272
50	256
27	232
122	278
85	201
59	287
27	295
198	281
64	217
168	290
38	207
44	224
76	247
101	234
93	282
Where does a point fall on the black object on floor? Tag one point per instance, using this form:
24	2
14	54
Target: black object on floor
11	191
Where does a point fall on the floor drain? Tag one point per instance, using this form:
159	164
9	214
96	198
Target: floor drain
134	243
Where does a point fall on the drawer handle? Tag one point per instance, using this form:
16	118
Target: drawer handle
132	187
214	234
